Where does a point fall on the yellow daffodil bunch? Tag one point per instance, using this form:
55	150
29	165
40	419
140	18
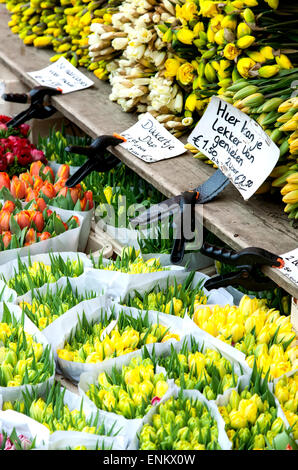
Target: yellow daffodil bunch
260	333
130	392
176	299
193	368
286	391
23	360
180	424
37	273
53	412
129	334
250	418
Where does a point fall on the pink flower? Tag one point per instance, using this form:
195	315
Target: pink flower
26	443
9	445
37	155
24	129
3	127
155	401
10	158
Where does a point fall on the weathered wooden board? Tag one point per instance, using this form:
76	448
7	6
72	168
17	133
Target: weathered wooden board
257	222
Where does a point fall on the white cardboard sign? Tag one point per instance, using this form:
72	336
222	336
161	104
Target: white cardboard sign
150	141
236	144
290	269
62	75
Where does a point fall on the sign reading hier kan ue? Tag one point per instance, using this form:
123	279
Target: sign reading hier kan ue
236	144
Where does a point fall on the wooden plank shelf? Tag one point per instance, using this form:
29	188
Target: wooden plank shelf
258	222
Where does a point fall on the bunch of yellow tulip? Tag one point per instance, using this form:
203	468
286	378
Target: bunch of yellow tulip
52	411
128	335
260	333
36	274
23	360
194	369
250	420
286	391
173	299
130	262
46	307
180	424
130	392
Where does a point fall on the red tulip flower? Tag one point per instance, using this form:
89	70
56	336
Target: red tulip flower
47	170
4	220
31	195
44	236
6	238
38	183
30	237
4	180
27	178
63	172
89	196
23	218
60	183
38	221
48	190
35	168
8	206
18	188
41	204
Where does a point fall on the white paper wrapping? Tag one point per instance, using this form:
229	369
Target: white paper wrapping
67	324
223	400
86	217
129	427
10	420
192	261
8	295
240	366
65	440
67	241
223	440
82	284
14	393
119	283
275	381
215	296
8	270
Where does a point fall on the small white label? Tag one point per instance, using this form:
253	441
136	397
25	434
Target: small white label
108	329
236	144
62	75
150	141
290	269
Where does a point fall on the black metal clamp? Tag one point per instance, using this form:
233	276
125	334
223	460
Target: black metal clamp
189	199
98	158
248	263
40	107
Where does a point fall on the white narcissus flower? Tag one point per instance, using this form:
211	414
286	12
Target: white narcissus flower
119	43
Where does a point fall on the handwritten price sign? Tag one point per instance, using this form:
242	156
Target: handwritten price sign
236	144
150	141
63	75
290	269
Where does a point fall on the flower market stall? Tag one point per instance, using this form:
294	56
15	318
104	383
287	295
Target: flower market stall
106	341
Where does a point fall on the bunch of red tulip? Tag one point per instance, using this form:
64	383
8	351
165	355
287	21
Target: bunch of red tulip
20	228
39	184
